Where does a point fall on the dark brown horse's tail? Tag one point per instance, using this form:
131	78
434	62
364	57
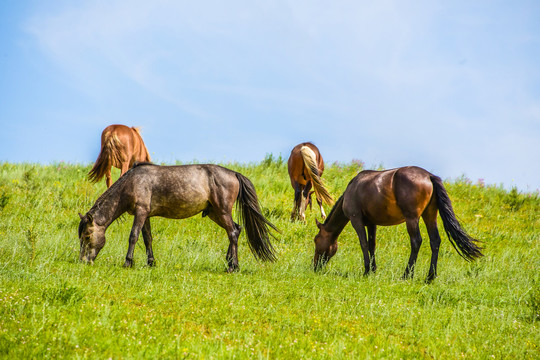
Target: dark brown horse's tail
310	161
256	225
110	154
462	242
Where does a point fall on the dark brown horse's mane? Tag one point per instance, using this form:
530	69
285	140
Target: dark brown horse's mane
140	163
335	208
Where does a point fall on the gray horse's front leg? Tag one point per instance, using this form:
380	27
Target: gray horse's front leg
138	223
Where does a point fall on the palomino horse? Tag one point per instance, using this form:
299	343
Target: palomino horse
306	167
177	192
392	197
121	147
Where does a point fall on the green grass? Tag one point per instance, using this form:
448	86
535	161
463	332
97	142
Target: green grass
52	306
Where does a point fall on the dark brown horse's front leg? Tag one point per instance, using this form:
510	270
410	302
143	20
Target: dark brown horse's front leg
138	223
147	237
358	226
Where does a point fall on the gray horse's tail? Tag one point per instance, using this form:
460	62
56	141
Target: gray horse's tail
256	225
462	242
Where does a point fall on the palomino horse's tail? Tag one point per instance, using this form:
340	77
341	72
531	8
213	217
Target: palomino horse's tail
137	131
310	161
256	225
462	242
110	154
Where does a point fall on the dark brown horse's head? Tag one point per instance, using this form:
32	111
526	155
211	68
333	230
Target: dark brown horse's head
325	246
91	237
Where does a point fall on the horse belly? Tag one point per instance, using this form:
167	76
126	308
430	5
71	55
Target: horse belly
179	205
384	214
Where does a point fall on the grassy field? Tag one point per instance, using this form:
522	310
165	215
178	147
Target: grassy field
52	306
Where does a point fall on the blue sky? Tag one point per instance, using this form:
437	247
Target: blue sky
452	86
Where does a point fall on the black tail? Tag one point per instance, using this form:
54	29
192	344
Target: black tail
462	242
257	227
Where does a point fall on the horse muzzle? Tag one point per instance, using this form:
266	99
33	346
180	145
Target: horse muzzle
88	258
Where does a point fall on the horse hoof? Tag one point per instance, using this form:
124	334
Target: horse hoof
128	264
151	262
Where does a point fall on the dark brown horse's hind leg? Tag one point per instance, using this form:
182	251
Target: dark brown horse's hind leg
295	214
434	242
304	200
416	240
147	236
372	234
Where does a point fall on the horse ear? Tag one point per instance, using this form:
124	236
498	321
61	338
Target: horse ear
81	216
319	225
90	218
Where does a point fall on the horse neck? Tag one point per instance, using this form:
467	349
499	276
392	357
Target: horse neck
107	207
336	220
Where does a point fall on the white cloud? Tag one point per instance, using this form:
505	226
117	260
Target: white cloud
383	72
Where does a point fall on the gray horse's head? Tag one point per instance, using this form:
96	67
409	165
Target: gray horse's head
91	237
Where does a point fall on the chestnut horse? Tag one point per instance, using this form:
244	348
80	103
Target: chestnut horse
392	197
121	147
177	192
306	167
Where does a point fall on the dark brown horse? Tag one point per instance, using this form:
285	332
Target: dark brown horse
177	192
388	198
121	147
306	167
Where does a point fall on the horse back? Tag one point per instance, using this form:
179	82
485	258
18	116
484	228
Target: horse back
180	191
389	197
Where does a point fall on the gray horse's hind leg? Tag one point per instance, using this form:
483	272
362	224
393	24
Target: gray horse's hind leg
147	236
233	232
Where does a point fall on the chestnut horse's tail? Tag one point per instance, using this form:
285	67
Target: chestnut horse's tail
462	242
310	161
137	131
256	225
111	153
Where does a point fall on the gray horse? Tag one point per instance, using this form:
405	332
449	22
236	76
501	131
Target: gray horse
177	192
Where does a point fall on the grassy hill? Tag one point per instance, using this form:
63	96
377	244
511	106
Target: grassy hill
52	306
